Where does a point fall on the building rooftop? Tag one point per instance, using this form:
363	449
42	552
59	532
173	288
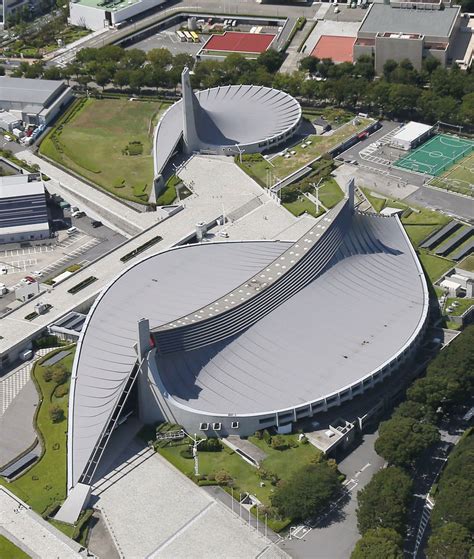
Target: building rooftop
411	131
111	6
382	18
308	347
22	204
25	90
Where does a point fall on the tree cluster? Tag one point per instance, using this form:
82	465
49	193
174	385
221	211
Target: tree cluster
432	94
452	519
449	381
384	501
307	492
377	543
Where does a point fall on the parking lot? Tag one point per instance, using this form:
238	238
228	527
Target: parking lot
168	39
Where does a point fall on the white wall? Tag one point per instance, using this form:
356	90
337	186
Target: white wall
86	16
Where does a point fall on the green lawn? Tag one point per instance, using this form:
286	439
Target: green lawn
281	166
8	550
91	137
330	193
435	266
45	483
302	205
467	264
283	463
464	305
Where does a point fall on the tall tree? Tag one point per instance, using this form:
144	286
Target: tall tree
381	543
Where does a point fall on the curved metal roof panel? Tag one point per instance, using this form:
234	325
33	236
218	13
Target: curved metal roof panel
351	320
161	288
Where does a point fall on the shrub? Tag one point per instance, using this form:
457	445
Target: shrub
223	478
48	374
186	453
61	391
279	443
59	374
56	413
267	437
210	445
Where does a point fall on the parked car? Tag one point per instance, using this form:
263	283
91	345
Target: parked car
72	230
96	223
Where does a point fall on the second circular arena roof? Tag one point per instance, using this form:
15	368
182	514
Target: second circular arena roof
245	114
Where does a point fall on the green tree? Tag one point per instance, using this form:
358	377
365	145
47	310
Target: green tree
380	543
451	541
307	492
59	374
48	374
384	501
389	66
56	413
401	440
271	59
160	57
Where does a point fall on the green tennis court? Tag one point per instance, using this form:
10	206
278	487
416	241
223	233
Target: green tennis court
436	155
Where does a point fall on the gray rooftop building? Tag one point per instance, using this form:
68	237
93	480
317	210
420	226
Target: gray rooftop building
231	337
34	101
23	212
408	30
225	120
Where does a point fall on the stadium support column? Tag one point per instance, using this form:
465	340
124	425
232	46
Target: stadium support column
350	193
143	346
191	108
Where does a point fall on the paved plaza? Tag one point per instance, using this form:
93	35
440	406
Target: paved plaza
154	511
28	531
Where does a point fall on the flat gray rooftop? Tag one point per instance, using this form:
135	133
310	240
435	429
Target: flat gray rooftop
25	90
383	18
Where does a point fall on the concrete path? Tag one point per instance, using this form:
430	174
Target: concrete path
28	531
117	215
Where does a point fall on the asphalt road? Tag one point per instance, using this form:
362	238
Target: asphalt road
335	533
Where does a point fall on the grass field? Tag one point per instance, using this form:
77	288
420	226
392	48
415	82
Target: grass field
459	178
467	264
463	305
329	195
45	483
92	137
280	167
436	155
283	463
8	550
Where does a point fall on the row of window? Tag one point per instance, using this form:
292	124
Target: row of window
217	426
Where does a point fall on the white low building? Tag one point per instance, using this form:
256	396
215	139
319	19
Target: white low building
23	212
33	101
411	135
97	14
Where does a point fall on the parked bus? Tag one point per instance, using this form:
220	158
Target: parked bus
195	37
188	36
181	36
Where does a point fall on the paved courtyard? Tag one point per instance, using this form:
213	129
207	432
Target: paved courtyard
154	511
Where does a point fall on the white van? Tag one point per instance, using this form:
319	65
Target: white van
72	230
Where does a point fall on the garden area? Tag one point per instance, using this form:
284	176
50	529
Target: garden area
43	486
37	40
296	157
286	457
294	198
109	143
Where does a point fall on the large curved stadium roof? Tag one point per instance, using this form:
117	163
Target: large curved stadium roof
227	116
360	311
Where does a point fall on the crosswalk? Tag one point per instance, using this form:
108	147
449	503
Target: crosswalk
11	385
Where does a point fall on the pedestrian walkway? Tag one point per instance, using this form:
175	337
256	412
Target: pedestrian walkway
12	384
28	531
117	214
